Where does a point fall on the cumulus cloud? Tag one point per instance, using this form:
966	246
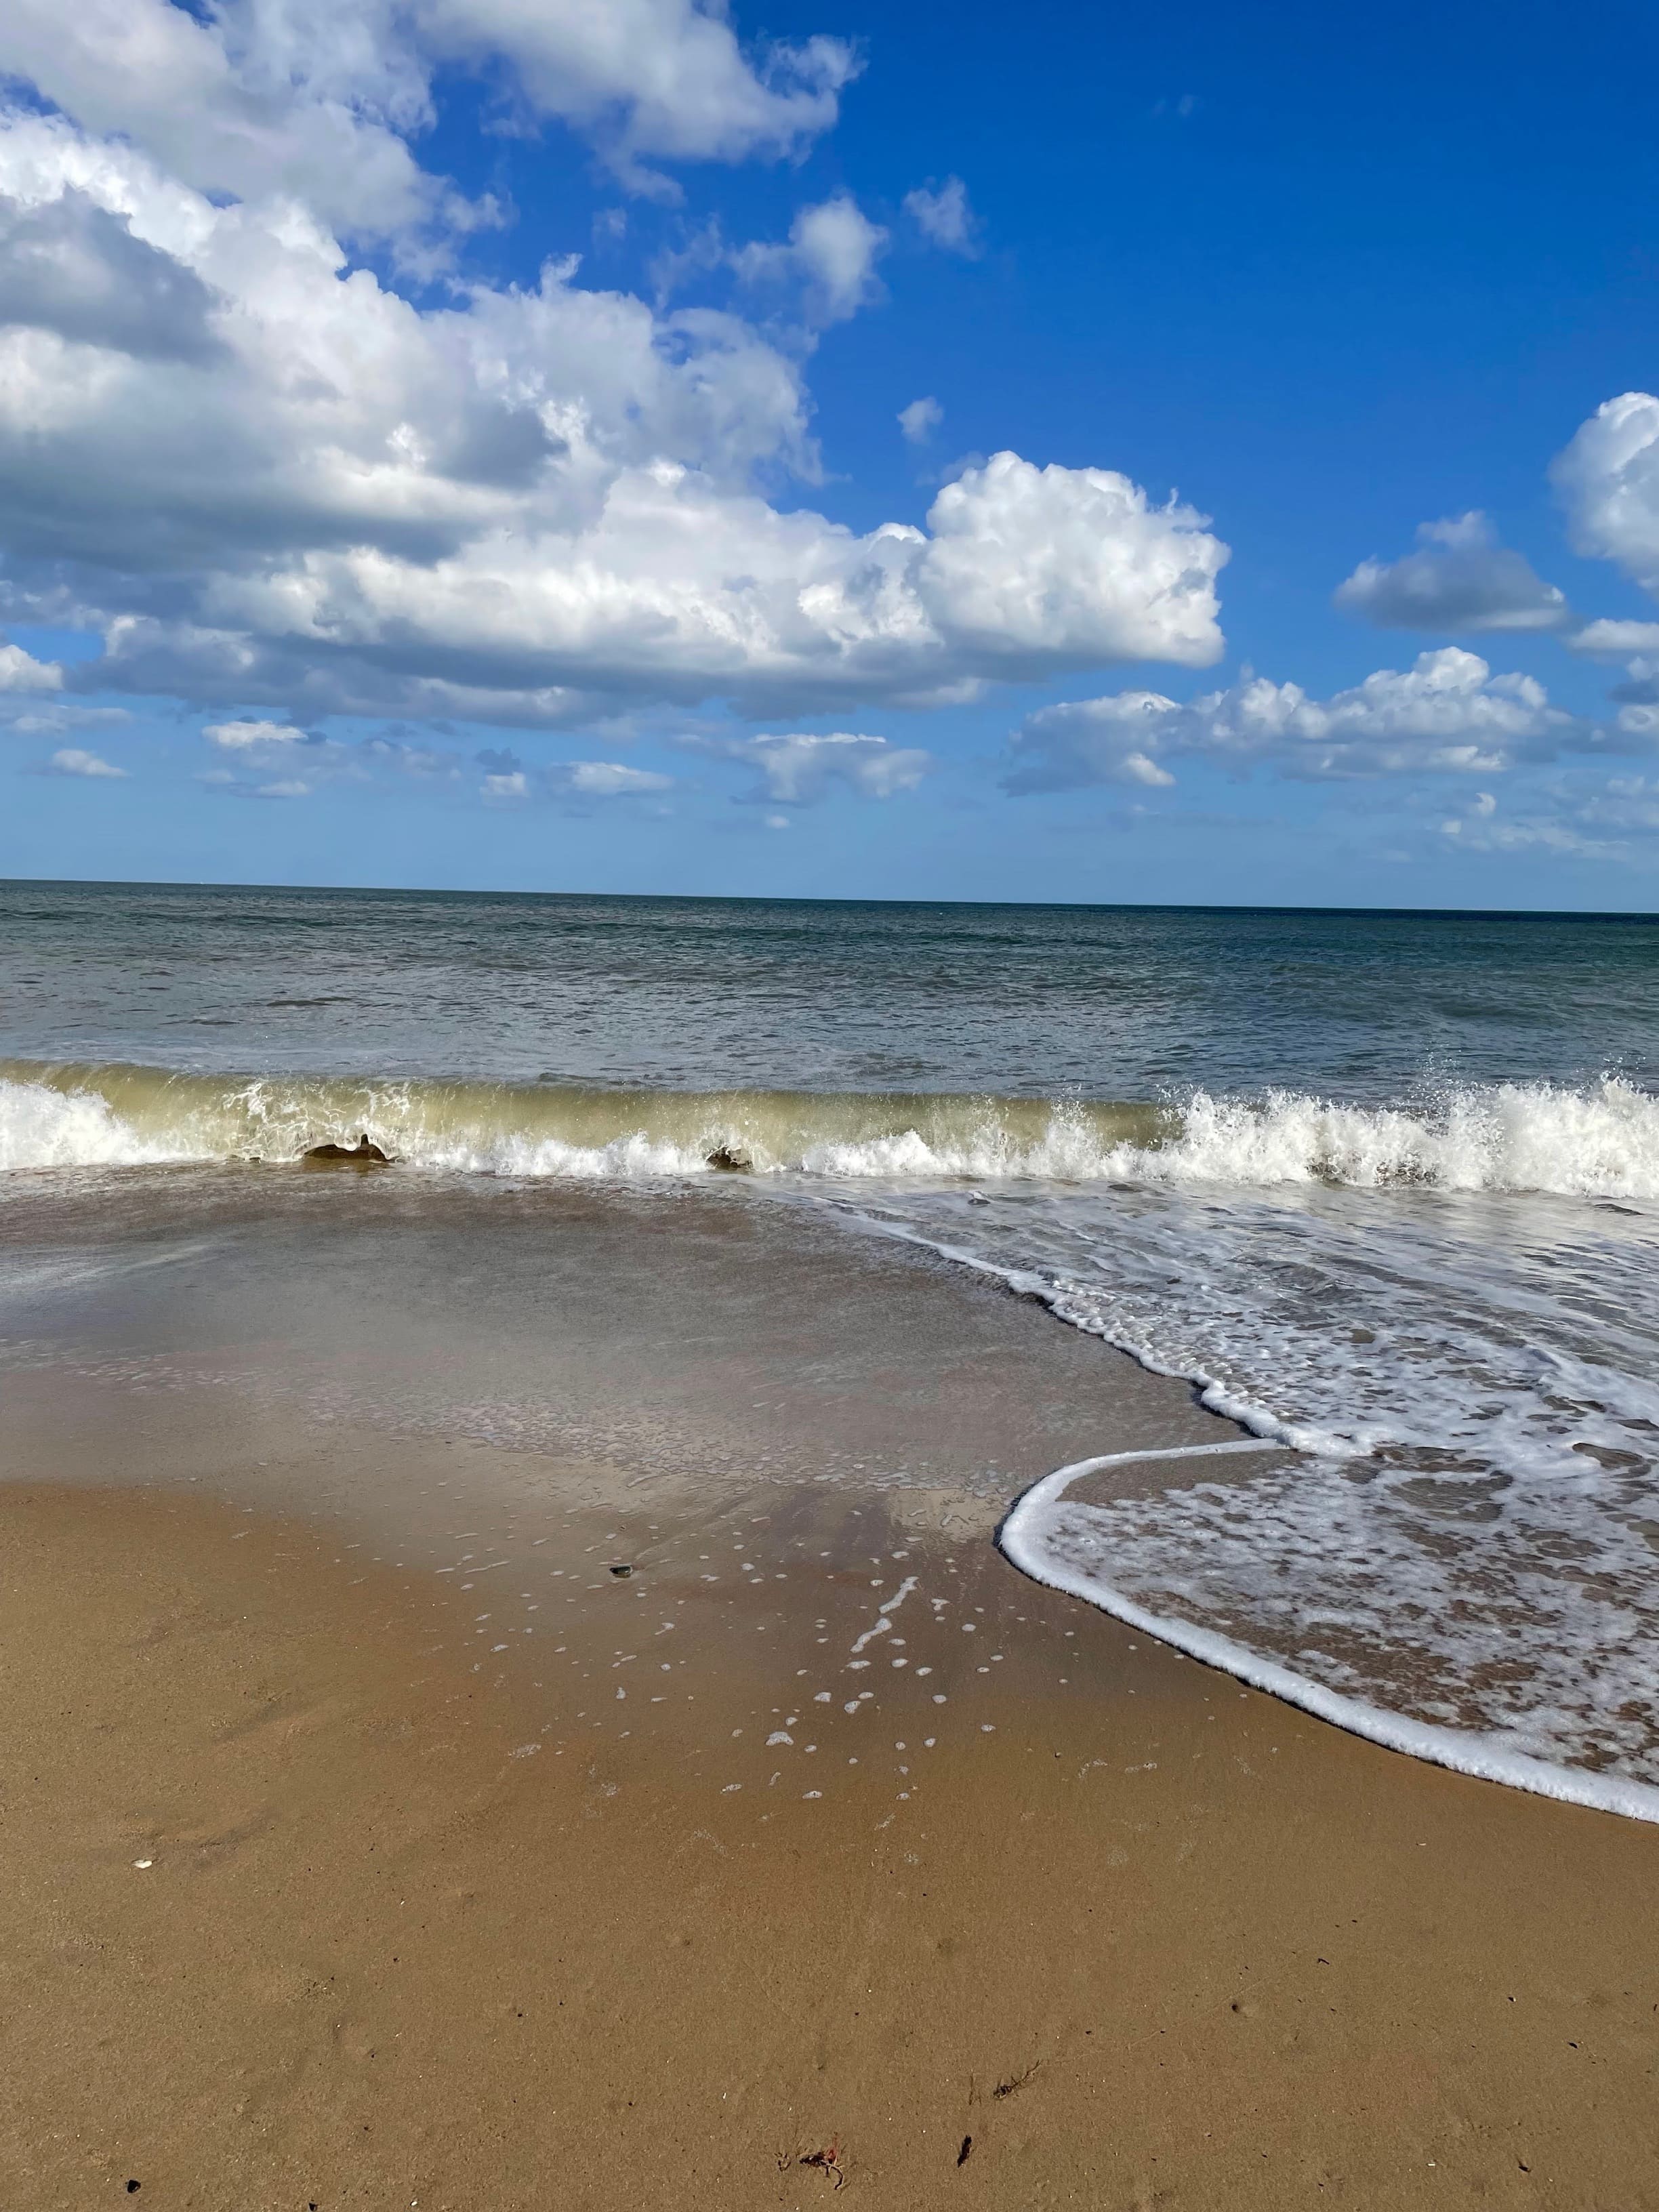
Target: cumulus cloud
537	507
661	78
69	265
943	216
508	778
1611	640
23	721
286	491
253	737
1608	477
260	97
798	770
21	671
920	419
263	759
1641	685
831	254
1447	714
609	780
1029	567
1615	821
307	99
1460	577
71	760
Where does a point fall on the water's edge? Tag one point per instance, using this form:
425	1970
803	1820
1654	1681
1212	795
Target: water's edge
1027	1538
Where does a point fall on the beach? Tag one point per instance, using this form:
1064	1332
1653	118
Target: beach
372	1839
829	1108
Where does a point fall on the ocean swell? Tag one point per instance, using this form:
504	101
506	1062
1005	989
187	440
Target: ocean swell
1600	1139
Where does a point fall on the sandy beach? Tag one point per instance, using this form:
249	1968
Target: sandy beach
400	1851
829	1107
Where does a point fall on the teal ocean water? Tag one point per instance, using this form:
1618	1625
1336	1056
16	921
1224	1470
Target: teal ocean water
1385	1186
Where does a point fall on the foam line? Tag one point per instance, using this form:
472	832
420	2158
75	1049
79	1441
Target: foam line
884	1614
1031	1519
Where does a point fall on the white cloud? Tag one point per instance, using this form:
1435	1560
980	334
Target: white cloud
832	254
671	591
21	671
610	778
285	490
57	721
535	507
71	760
264	97
308	99
1036	566
1614	640
1608	477
1459	579
798	770
943	215
250	736
920	419
302	762
663	78
1447	714
1614	820
510	778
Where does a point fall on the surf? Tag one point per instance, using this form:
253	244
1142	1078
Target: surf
1597	1140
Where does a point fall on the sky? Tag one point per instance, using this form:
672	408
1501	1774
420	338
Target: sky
1083	453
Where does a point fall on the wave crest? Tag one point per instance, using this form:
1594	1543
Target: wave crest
1600	1139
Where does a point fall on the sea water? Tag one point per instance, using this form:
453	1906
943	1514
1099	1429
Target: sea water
1384	1187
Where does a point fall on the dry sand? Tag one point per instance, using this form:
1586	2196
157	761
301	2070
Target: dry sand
295	1915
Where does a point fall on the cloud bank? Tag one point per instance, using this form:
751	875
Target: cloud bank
1447	714
308	99
276	483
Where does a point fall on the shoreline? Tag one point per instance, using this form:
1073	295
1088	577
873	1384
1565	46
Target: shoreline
1037	1513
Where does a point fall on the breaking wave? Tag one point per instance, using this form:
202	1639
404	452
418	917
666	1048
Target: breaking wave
1596	1140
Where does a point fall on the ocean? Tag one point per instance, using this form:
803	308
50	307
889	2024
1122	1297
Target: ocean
1383	1187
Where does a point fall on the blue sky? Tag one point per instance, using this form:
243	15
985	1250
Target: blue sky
441	444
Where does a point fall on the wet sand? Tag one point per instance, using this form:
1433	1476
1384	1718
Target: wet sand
480	1875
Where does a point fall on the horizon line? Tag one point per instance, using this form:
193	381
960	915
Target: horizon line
796	898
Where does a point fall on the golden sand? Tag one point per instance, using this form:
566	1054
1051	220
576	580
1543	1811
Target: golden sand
307	1905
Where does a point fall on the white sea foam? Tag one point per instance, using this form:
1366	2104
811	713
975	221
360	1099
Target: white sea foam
1600	1139
634	1156
1466	1535
1086	1551
41	1126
